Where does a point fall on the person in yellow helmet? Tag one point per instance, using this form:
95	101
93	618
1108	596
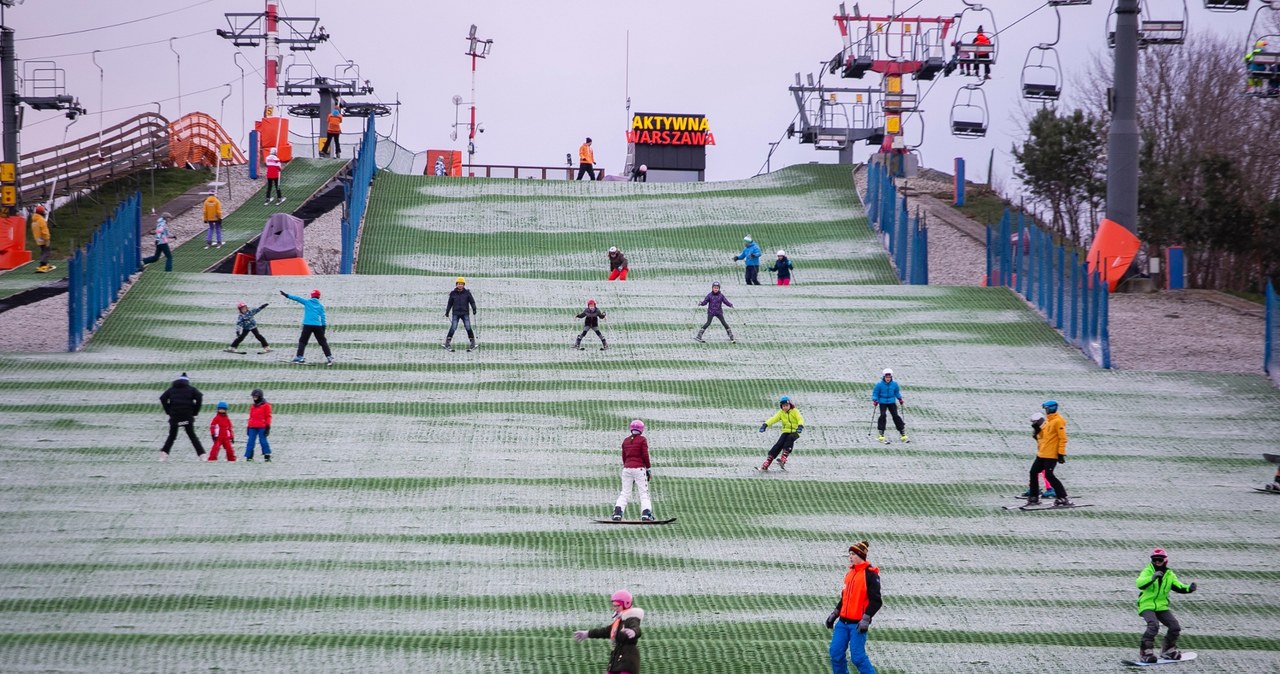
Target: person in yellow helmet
1254	81
40	233
460	307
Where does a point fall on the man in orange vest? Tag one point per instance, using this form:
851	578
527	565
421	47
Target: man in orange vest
849	623
586	161
331	143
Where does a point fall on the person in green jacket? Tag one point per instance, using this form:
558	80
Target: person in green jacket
1154	583
792	427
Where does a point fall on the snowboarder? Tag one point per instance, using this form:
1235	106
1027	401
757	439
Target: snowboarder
859	601
181	401
273	177
617	264
259	426
715	302
635	471
1037	420
460	306
1274	485
212	220
313	323
1051	450
40	234
887	395
792	426
1154	583
623	631
591	321
162	243
222	434
246	323
783	268
750	256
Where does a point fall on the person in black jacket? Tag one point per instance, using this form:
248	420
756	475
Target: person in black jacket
591	321
181	402
460	306
623	631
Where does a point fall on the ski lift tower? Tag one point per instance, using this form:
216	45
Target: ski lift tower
829	124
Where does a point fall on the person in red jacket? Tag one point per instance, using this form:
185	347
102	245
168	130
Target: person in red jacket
221	432
259	426
849	623
635	471
273	177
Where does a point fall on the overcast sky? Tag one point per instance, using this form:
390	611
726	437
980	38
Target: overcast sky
557	71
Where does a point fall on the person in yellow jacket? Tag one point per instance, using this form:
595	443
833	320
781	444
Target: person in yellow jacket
1154	583
212	220
40	233
792	427
1051	450
333	130
1253	81
586	161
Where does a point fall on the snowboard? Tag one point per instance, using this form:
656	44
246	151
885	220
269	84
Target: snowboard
1044	506
239	352
1273	458
666	521
1161	661
1265	491
47	269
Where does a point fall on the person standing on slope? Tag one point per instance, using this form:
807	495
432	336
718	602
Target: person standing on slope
635	471
887	395
314	322
591	321
221	433
783	268
792	427
1037	421
40	234
1051	450
162	243
715	301
212	208
181	401
459	306
586	161
259	426
273	177
247	324
1154	583
618	266
859	601
750	256
623	631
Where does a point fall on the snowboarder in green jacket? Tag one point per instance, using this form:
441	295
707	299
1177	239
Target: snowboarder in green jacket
1154	583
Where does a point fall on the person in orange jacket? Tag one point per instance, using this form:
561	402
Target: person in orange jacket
259	425
983	60
222	434
212	220
331	143
586	161
859	601
40	233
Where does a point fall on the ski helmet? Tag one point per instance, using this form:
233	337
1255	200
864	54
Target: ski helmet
715	284
223	406
887	373
782	253
637	426
242	305
1050	406
40	209
460	281
613	249
644	169
622	597
315	293
747	238
1037	418
784	400
256	393
591	302
1159	552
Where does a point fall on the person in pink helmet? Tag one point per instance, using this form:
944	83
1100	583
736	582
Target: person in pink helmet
1154	583
623	631
635	471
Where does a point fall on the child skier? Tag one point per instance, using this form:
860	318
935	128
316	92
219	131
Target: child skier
273	177
715	302
245	324
750	256
1051	450
783	268
792	427
313	323
1037	420
212	220
635	471
592	317
1154	583
222	434
887	395
617	264
623	631
259	426
460	306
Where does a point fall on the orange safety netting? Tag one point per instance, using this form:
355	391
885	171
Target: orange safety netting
197	138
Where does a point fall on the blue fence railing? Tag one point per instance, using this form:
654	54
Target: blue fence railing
1270	354
1053	279
905	236
357	189
98	271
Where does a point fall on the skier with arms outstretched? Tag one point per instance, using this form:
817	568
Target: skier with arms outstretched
792	426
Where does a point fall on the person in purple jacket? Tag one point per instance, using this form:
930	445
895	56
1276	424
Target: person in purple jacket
715	301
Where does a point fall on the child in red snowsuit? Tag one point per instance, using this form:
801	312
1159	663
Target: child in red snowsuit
222	434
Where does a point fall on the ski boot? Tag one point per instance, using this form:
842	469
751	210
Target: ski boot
1026	494
1148	656
447	345
782	462
764	467
230	349
265	349
1171	654
578	345
249	458
1050	493
1272	486
299	360
472	346
266	458
698	337
1062	502
281	201
905	438
328	361
604	346
164	456
882	439
731	339
617	514
646	516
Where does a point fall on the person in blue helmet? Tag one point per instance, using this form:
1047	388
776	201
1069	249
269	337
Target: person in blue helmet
887	395
792	427
750	256
1051	450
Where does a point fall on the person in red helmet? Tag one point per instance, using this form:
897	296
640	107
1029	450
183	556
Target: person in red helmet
635	471
591	316
623	631
314	322
40	233
246	324
1154	583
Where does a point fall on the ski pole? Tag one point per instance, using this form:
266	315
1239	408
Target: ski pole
873	421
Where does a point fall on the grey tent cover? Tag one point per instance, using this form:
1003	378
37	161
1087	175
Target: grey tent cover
281	239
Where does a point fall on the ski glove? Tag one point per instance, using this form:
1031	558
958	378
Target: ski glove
764	427
864	624
627	632
799	429
1157	576
580	635
266	432
831	619
284	294
648	475
1062	459
1189	590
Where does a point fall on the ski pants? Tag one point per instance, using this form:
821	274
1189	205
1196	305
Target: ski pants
222	443
708	323
784	281
618	274
845	637
215	228
188	422
898	423
241	335
45	251
1154	618
588	170
753	274
786	442
161	249
1047	466
332	145
273	182
634	476
256	434
453	327
584	334
318	331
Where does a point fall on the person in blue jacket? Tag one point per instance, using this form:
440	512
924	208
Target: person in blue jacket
887	396
313	323
750	255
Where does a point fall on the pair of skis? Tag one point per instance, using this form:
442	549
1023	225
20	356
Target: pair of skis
1044	505
450	349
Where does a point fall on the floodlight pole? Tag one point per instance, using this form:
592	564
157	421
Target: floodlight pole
273	58
478	49
1122	140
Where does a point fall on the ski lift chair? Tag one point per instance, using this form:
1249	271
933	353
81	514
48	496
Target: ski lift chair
1226	5
1068	3
969	112
1264	67
1163	30
1042	74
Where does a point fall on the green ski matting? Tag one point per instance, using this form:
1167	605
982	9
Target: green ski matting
24	278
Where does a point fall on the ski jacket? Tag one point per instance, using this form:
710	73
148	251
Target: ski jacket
335	124
713	302
783	267
750	253
790	419
39	229
312	310
861	594
981	38
635	452
617	260
586	155
886	394
592	316
220	427
625	656
212	209
162	231
260	415
1153	595
1052	441
273	166
459	301
246	321
181	400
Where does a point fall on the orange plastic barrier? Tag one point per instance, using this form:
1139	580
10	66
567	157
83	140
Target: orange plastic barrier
1112	252
274	132
197	138
293	266
243	264
13	242
443	162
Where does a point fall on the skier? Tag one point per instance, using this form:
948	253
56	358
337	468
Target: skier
792	427
1154	583
887	395
162	243
783	268
181	401
859	601
259	426
617	264
40	234
635	471
1051	450
460	306
221	432
273	177
623	631
313	323
212	220
750	255
245	324
715	302
592	317
1037	420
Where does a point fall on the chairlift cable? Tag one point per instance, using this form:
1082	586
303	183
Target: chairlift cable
120	48
115	25
1046	4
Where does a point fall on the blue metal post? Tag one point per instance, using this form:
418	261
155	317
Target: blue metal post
253	155
1004	248
1075	327
959	182
1062	282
